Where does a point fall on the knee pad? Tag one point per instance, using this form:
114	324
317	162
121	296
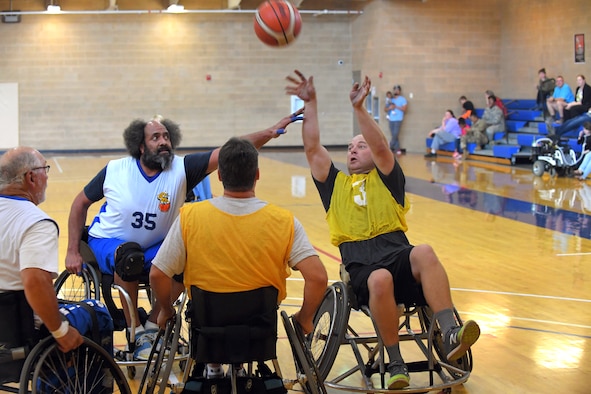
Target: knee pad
129	261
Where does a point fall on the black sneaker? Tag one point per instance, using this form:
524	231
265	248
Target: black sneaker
459	339
431	154
398	375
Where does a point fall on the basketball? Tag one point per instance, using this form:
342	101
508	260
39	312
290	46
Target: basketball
277	23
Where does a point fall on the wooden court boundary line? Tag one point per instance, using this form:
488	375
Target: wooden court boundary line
551	332
521	294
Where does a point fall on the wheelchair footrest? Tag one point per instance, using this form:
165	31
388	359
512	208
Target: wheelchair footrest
422	366
414	366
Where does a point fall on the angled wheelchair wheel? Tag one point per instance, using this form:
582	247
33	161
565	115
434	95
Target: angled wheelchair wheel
330	323
305	366
175	347
72	287
86	369
464	363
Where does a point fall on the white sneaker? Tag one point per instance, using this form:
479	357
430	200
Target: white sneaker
213	371
143	344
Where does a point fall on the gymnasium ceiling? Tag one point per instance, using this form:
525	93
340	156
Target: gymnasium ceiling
206	5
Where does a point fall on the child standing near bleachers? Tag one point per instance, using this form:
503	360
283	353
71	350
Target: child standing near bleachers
464	130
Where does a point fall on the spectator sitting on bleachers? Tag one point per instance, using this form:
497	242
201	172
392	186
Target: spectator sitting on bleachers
582	101
467	107
571	127
475	134
498	102
447	132
493	117
560	98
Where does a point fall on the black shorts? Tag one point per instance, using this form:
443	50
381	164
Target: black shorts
406	289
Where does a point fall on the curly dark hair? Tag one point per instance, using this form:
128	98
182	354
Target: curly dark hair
134	135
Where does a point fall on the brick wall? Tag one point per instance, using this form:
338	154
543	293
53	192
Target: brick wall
83	78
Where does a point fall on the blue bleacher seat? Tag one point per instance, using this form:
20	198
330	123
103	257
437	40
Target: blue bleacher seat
515	125
524	115
572	143
505	151
499	135
451	146
524	139
542	128
519	103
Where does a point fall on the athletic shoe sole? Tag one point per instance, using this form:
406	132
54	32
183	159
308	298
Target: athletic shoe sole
469	334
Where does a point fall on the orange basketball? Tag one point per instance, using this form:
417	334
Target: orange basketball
277	23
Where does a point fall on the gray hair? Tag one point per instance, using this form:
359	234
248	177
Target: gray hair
14	166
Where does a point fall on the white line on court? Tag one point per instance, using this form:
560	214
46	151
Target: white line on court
495	292
522	295
57	164
557	323
298	303
573	254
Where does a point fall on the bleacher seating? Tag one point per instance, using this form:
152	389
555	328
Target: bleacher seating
527	104
524	124
451	146
525	115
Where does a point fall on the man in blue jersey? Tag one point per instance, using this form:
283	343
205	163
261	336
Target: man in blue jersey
366	218
143	194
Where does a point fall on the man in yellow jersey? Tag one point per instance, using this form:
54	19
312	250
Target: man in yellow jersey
366	217
238	242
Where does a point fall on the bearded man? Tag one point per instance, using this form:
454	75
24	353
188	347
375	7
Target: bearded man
143	194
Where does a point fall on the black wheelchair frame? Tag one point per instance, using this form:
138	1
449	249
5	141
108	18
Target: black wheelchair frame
91	283
31	359
157	378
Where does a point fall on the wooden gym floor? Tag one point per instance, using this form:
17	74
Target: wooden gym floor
517	250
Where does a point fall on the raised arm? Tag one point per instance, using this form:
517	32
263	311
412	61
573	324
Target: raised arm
316	154
258	138
377	142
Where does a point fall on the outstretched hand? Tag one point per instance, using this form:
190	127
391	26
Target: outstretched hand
301	87
359	92
281	126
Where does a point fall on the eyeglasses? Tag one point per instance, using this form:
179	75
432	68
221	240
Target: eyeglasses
46	168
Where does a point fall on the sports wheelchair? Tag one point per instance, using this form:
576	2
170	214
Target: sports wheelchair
332	330
31	361
91	283
233	329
